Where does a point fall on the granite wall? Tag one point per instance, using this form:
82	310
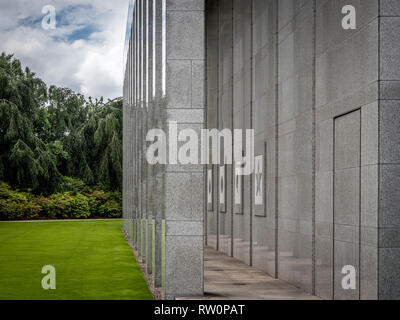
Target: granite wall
323	103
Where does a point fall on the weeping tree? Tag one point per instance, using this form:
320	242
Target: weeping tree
108	141
25	161
98	146
48	133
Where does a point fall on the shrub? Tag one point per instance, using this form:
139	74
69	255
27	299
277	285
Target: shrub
75	186
46	205
96	199
113	206
17	205
105	204
5	190
67	206
111	209
30	210
80	207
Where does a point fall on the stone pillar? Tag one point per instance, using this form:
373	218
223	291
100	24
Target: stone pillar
125	146
150	114
212	72
136	100
158	105
140	125
132	141
184	75
132	138
144	129
388	122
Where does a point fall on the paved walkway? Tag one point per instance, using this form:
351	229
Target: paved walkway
226	278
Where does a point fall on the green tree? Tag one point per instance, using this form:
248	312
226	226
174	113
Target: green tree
46	134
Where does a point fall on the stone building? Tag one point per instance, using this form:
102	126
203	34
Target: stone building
322	96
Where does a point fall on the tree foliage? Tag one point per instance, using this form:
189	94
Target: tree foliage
47	134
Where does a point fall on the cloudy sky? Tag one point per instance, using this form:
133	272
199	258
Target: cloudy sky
85	50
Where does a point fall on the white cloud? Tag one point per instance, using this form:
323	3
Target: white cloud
92	65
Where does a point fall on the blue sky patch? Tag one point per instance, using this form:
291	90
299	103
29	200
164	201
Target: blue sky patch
79	17
82	33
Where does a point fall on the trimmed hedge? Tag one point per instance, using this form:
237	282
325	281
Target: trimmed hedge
70	204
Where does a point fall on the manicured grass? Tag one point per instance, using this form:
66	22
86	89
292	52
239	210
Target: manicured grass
91	258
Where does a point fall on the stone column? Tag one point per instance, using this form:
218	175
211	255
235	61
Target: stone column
388	122
185	62
150	113
136	101
144	130
125	146
140	125
131	139
158	169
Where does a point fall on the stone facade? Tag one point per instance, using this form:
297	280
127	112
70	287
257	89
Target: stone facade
324	105
164	81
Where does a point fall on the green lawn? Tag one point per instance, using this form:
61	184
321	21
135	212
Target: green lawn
91	258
